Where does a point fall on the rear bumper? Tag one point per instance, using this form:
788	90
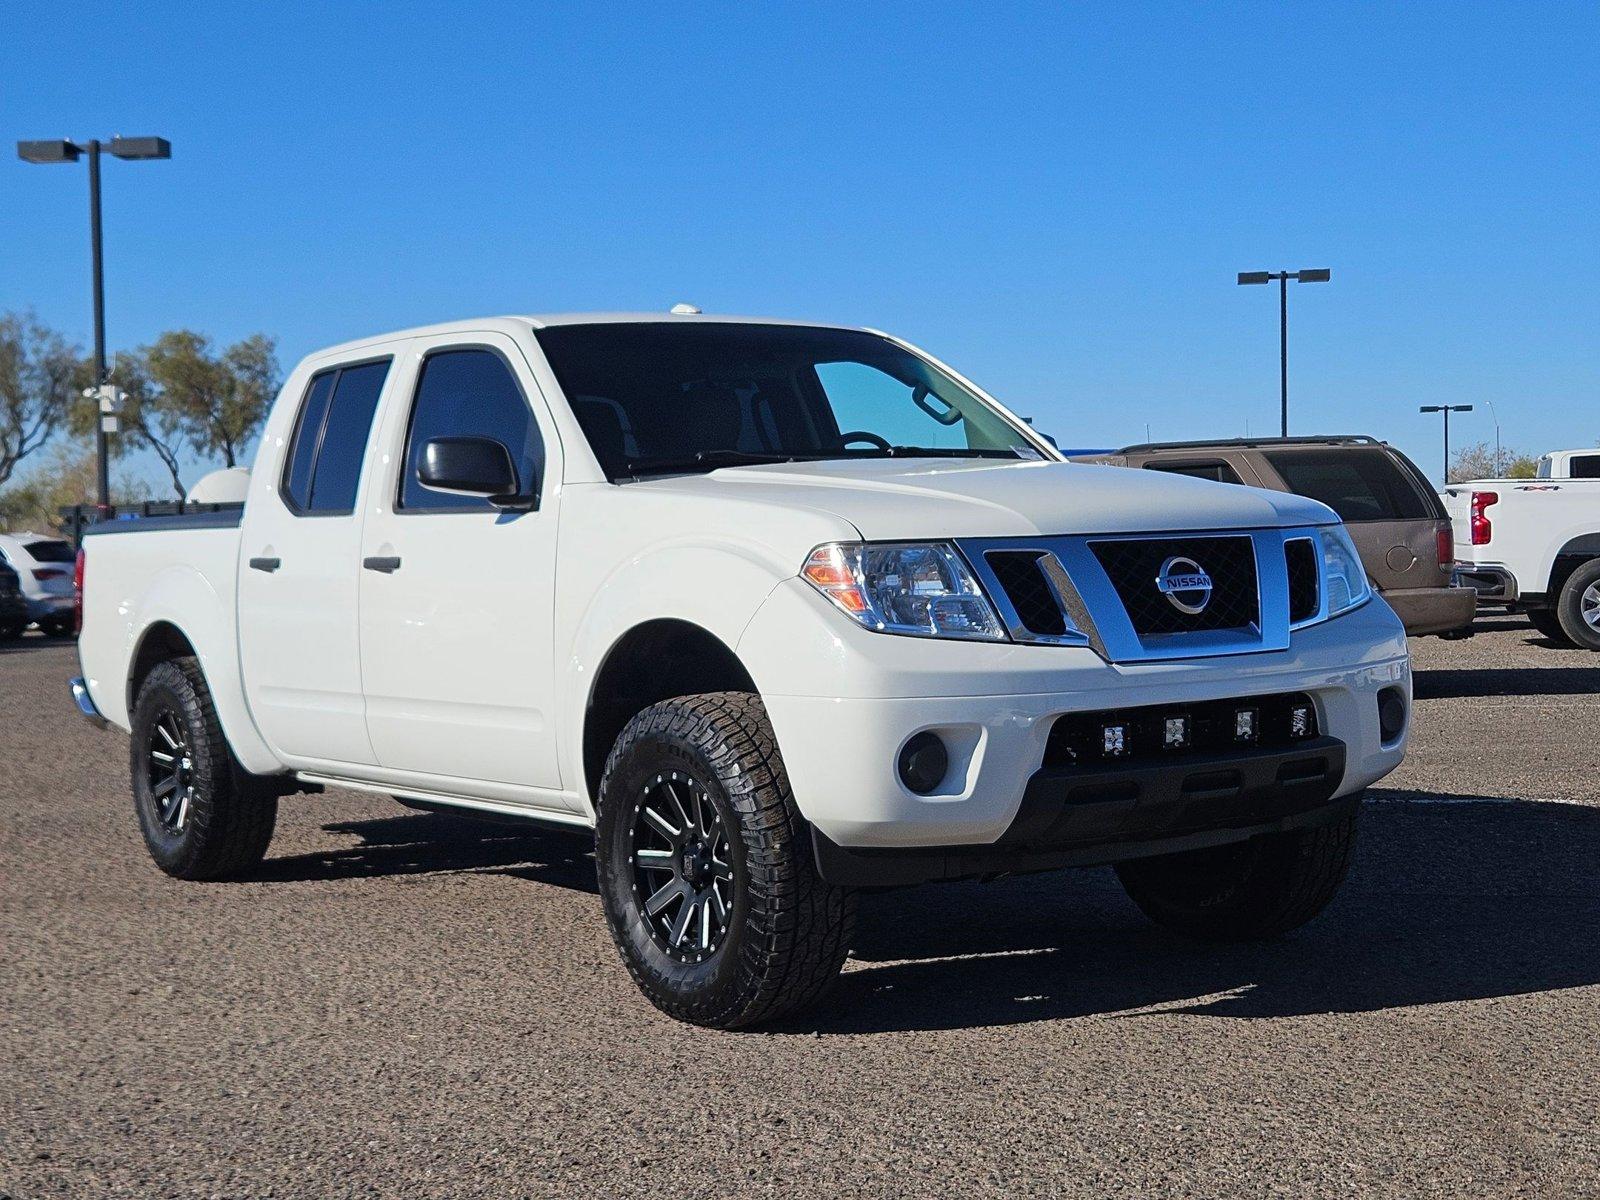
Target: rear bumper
1493	583
1085	817
1435	609
85	703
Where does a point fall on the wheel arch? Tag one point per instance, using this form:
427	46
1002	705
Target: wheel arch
1572	555
650	662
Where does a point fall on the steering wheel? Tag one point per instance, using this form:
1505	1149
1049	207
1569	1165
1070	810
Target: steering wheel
862	435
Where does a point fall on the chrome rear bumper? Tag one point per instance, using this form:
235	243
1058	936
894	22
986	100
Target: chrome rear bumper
85	703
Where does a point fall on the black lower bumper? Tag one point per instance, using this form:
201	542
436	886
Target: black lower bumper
1086	816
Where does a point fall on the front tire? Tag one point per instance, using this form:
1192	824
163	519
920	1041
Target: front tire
706	868
1578	606
1247	891
201	815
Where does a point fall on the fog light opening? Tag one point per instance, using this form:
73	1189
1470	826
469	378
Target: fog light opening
1391	714
924	762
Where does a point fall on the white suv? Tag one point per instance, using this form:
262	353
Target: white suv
44	567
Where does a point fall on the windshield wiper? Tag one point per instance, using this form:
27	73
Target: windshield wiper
704	460
930	452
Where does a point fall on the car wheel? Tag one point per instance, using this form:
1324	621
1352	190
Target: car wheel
1578	606
1246	891
1548	622
706	868
201	815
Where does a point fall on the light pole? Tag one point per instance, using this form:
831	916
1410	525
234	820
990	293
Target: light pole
1495	413
1319	275
1446	409
66	152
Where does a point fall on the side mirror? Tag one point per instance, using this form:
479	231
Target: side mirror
473	466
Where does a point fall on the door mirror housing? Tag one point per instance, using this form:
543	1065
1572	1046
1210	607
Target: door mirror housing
475	466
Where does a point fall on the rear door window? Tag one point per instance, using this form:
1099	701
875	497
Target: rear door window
1362	484
330	439
1217	472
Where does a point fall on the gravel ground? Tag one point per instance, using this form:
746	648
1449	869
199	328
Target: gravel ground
408	1005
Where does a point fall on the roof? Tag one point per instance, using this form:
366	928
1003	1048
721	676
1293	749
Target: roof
520	323
1270	443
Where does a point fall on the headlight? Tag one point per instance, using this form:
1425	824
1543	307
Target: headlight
1343	576
917	588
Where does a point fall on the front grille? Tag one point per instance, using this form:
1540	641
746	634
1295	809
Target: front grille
1300	556
1079	739
1024	584
1133	568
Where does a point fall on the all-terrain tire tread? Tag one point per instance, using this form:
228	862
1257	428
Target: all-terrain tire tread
798	928
233	824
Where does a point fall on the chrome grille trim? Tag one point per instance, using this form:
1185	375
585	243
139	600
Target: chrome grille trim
1110	631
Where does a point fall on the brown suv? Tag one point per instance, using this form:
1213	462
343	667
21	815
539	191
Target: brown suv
1398	523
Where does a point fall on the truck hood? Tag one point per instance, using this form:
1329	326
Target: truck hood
899	499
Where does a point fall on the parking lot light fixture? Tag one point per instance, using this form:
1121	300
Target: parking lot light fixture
1446	409
62	151
1305	275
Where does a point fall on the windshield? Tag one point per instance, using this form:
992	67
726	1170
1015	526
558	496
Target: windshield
660	397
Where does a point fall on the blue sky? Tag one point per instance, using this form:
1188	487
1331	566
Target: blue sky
1054	198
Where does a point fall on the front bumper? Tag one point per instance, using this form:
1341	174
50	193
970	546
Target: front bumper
994	705
1077	817
1432	610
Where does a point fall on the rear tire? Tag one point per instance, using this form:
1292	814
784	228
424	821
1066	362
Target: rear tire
1248	891
202	815
1578	606
1547	622
697	823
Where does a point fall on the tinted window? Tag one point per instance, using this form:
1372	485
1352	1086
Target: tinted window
51	552
330	439
1586	466
669	396
1358	484
307	433
469	393
1218	472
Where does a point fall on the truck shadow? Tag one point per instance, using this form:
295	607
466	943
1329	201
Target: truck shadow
1507	681
435	844
1451	898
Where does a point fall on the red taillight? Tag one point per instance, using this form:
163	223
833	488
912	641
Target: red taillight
1482	529
77	594
49	573
1446	548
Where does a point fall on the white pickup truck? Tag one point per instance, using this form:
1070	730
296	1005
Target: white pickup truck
780	611
1534	546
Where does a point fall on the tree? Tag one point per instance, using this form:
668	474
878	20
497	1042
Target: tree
1479	460
65	477
37	371
219	400
146	419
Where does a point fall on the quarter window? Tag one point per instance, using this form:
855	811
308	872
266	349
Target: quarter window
469	393
330	439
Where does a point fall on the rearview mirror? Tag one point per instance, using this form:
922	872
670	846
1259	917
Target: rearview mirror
473	466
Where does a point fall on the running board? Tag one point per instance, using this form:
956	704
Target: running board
543	816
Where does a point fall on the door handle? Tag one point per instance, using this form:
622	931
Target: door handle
387	565
268	565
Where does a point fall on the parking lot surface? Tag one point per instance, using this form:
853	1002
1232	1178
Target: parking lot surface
398	1004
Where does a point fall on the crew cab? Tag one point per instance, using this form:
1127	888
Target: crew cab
1534	546
779	611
